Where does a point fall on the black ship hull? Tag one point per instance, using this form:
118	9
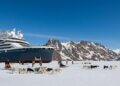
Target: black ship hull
27	55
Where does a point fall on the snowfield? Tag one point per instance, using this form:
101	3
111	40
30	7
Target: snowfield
73	75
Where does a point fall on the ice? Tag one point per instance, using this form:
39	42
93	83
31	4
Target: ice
73	75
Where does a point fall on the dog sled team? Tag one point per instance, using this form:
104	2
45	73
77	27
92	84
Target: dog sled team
43	70
37	70
89	65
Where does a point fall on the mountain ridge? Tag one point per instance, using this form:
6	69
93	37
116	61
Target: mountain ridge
83	50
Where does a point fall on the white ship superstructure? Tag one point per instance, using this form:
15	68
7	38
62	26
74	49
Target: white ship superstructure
11	39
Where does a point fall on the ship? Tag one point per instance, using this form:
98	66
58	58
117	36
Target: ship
14	48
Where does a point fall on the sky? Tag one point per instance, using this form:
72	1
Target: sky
67	20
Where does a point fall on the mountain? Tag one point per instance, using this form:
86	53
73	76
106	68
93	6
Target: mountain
83	50
117	51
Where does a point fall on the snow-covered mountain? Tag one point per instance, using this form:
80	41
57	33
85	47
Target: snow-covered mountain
83	50
117	51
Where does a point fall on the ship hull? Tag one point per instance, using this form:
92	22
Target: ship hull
27	55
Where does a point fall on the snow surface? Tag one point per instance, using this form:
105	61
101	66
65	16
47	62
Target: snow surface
73	75
117	51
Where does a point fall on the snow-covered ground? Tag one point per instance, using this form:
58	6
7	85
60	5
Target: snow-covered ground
73	75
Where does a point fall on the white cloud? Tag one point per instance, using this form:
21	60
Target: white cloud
46	36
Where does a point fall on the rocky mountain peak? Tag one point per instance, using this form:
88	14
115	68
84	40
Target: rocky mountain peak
83	50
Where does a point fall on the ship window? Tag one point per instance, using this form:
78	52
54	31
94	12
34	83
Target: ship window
5	47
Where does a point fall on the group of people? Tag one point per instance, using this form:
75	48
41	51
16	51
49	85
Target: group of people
33	62
62	65
7	63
